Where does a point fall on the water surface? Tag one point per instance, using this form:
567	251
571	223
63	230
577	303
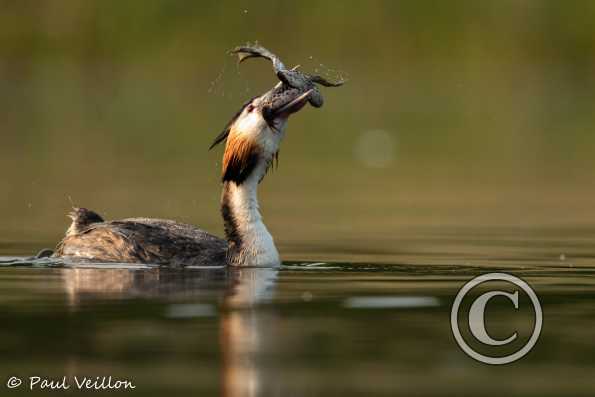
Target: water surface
306	329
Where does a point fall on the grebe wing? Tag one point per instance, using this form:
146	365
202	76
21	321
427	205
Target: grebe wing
172	228
144	240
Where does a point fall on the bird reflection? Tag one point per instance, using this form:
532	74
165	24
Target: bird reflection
243	325
244	329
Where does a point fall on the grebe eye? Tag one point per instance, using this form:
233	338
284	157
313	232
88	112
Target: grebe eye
250	108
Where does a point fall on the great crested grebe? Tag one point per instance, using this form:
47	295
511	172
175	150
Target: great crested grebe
253	137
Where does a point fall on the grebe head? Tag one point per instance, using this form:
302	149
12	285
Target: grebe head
255	133
253	138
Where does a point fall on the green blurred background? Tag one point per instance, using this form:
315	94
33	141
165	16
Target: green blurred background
457	114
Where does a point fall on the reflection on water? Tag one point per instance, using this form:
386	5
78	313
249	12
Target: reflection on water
244	333
304	329
243	329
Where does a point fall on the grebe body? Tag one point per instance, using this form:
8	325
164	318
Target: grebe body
253	137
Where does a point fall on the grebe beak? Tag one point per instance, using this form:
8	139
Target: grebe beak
282	105
293	106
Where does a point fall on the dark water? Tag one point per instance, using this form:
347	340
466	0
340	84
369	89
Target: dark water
306	329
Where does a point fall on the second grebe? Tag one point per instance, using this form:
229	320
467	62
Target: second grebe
253	137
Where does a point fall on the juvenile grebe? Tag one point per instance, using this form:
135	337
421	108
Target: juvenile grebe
253	137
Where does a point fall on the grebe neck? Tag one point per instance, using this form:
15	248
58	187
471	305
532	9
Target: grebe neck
250	243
